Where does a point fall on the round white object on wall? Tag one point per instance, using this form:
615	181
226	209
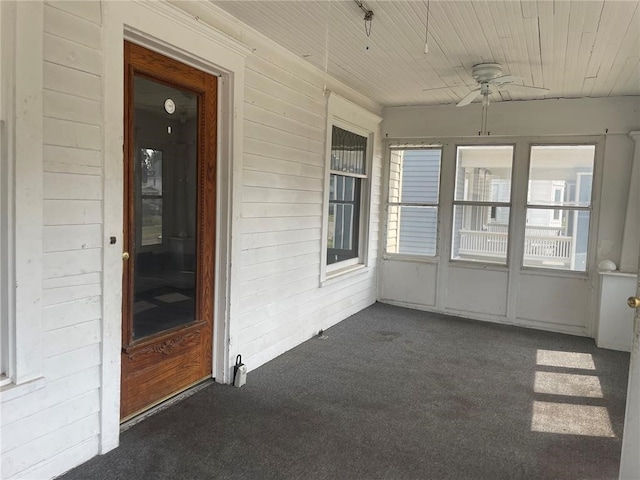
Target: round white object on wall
607	266
169	106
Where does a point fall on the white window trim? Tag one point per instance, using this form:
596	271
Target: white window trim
22	150
351	117
412	256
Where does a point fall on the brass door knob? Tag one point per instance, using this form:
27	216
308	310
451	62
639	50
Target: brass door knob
633	302
125	255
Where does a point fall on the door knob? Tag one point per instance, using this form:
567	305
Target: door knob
633	302
125	255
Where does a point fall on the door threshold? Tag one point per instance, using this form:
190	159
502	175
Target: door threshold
128	422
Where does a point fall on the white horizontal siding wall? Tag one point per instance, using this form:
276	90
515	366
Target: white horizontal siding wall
54	428
281	301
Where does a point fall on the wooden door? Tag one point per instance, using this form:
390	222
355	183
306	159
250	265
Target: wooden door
169	228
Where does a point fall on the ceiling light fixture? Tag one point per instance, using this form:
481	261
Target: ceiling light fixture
368	17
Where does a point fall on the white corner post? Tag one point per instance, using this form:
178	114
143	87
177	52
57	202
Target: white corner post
630	459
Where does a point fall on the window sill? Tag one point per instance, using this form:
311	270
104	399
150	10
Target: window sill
12	391
498	267
344	273
398	257
554	272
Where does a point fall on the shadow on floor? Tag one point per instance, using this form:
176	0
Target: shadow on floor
397	394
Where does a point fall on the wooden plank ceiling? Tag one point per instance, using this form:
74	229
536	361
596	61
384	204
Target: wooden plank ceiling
588	48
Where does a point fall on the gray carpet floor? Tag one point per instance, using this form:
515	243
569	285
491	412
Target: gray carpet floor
393	393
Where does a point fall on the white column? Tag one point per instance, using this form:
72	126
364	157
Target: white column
630	460
631	236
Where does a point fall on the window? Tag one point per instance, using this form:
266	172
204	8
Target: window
151	196
414	188
348	187
482	203
559	206
347	172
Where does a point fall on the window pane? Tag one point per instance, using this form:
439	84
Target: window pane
341	188
477	237
556	238
415	176
151	171
344	208
151	221
561	175
348	151
412	230
483	173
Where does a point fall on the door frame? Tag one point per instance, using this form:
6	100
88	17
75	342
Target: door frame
172	32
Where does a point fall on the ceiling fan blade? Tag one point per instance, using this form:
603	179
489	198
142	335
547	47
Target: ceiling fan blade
505	79
525	88
470	97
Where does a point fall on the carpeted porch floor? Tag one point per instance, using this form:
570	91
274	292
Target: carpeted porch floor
393	393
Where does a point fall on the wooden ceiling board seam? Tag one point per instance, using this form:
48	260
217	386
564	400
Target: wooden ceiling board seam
592	68
462	31
560	39
608	42
615	49
620	65
631	69
447	31
587	42
632	87
533	52
478	42
545	17
522	67
576	22
529	9
508	40
489	30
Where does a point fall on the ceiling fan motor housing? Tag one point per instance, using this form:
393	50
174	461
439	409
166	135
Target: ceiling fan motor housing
485	72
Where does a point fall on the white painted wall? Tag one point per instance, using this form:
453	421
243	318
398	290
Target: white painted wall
557	301
280	302
274	185
56	426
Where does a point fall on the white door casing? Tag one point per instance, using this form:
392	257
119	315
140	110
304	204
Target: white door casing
630	458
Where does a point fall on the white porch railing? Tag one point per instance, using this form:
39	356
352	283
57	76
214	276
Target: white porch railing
532	231
475	243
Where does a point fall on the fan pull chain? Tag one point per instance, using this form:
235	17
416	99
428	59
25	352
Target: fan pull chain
426	31
326	49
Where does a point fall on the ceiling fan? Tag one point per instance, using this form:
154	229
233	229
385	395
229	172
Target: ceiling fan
489	76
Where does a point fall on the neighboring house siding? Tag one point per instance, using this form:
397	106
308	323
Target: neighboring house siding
420	179
281	303
53	429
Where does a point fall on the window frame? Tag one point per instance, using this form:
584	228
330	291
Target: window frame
350	117
22	165
593	208
437	205
357	207
462	203
140	197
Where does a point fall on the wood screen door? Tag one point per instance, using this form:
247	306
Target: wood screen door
169	228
